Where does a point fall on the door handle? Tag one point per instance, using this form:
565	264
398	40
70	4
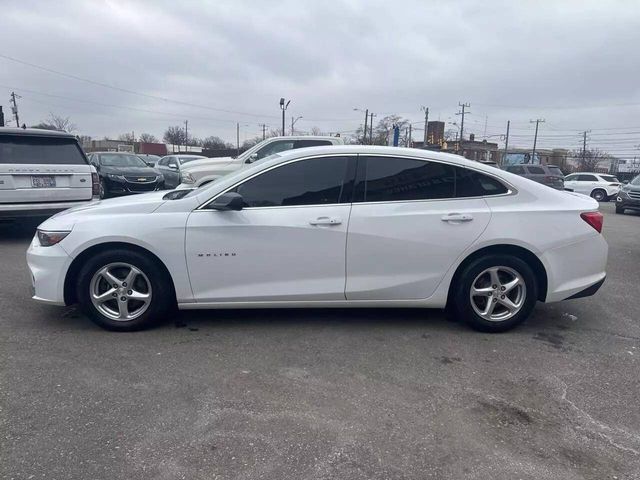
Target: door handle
325	221
457	217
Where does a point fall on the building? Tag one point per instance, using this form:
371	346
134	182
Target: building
543	156
473	150
435	133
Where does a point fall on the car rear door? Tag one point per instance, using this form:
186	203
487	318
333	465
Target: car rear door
42	169
408	226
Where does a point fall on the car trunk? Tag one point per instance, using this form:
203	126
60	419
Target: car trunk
36	169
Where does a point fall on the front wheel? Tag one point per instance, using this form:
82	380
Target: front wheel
123	290
495	293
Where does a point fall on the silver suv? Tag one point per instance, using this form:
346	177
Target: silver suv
42	172
549	175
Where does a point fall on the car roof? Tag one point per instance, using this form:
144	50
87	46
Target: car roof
115	153
183	155
35	132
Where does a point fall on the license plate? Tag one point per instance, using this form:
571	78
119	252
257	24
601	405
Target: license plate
43	181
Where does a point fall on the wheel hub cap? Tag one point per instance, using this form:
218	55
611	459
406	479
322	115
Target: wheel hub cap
120	291
498	293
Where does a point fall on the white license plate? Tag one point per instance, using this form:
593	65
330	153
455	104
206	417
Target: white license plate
42	181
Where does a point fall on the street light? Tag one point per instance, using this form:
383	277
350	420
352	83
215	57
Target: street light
366	119
283	107
293	122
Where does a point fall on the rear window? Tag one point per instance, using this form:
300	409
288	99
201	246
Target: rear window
609	178
536	170
555	170
32	150
516	169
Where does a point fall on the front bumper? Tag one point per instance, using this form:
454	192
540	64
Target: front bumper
48	267
625	201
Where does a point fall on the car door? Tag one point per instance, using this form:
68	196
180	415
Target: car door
287	244
407	228
570	182
583	184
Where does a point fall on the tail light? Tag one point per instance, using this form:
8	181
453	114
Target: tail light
595	219
552	179
95	184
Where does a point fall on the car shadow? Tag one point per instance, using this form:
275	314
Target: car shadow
19	229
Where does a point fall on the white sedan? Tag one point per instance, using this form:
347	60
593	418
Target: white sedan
350	226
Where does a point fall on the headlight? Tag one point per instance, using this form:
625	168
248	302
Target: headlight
48	239
187	178
115	177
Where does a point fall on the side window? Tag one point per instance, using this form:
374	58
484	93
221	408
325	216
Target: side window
162	162
570	178
389	179
172	161
470	183
536	170
517	169
311	143
317	181
588	178
274	147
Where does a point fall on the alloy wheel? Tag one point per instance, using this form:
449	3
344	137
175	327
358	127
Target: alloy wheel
120	291
498	293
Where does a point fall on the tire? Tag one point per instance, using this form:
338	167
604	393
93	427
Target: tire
148	299
599	195
619	209
524	295
103	190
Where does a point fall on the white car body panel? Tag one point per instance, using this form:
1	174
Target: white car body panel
587	188
380	254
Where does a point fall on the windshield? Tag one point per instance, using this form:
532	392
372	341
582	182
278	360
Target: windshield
121	161
635	182
197	191
609	178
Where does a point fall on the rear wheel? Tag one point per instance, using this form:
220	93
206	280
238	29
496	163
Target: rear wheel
599	195
495	293
103	190
123	290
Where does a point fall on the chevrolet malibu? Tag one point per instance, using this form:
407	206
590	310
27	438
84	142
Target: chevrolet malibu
342	226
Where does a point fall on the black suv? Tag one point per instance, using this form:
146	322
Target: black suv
124	173
628	197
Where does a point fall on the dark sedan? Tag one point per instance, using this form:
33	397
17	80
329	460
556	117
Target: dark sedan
628	197
124	173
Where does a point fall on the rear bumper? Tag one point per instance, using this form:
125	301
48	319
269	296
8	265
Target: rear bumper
13	210
587	292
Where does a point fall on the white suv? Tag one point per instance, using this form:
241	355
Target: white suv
599	186
42	172
200	172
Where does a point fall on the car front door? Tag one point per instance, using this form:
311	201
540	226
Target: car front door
287	244
407	228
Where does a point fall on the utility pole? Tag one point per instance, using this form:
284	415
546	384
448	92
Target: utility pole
293	122
1	117
426	125
506	143
264	131
364	134
463	113
371	128
237	139
14	107
584	145
186	135
535	138
409	142
283	107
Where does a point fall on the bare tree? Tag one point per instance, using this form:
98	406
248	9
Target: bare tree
383	130
214	143
126	137
56	122
589	160
174	135
84	140
316	131
148	138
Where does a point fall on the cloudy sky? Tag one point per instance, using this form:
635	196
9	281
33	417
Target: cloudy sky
142	66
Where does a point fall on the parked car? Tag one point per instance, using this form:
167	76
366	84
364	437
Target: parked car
549	175
124	173
202	172
349	226
42	172
597	185
171	166
151	160
628	197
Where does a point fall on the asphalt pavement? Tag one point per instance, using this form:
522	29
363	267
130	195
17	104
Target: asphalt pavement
323	394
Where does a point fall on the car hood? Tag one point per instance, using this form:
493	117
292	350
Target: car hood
631	188
129	171
143	203
206	162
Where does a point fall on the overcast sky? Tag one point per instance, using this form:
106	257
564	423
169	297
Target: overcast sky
573	63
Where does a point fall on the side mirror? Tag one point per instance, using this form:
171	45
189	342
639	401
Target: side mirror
228	201
173	166
626	182
252	158
150	164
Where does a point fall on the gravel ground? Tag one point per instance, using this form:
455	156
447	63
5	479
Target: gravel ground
324	394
